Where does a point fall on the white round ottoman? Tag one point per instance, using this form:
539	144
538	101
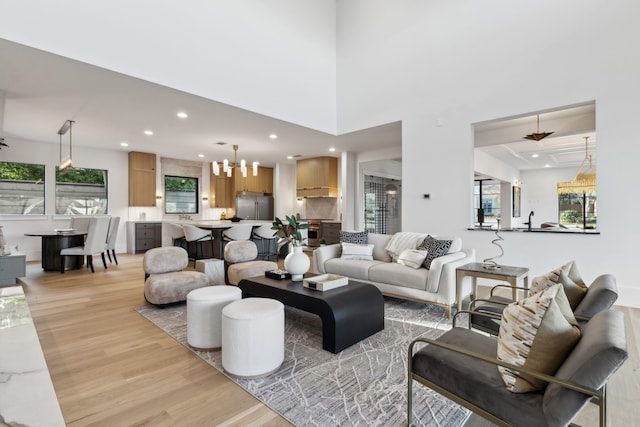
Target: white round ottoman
204	314
252	337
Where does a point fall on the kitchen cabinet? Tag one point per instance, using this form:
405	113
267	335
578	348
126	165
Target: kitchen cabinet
263	183
142	179
317	177
221	192
330	231
146	235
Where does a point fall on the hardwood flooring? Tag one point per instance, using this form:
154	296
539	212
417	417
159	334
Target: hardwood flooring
112	367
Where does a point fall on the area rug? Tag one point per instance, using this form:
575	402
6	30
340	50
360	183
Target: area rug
364	385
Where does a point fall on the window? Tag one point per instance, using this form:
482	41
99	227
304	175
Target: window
180	195
486	201
577	210
81	191
21	189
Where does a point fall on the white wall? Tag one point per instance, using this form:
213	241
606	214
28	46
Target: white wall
441	66
116	162
276	58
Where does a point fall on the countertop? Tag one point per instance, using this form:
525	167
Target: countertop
554	230
214	223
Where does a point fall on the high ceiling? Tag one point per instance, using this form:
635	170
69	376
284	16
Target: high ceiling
503	139
39	91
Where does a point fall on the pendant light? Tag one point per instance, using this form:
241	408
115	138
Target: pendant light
67	163
228	166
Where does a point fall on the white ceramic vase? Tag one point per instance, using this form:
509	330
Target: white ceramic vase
296	263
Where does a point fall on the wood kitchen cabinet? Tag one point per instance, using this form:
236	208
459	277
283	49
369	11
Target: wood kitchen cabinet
142	236
317	177
263	183
222	189
142	179
330	231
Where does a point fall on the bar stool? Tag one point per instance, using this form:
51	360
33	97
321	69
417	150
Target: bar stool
197	235
236	232
266	242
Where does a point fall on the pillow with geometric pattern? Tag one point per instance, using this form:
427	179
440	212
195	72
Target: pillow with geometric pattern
435	248
357	237
538	333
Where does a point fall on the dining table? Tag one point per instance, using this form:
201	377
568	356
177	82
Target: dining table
53	241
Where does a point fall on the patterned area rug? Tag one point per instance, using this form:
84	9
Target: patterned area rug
364	385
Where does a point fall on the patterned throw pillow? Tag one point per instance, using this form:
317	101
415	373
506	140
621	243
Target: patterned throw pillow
357	237
403	240
538	333
435	248
569	277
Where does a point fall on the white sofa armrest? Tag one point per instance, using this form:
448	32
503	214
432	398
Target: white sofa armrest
447	285
323	254
437	265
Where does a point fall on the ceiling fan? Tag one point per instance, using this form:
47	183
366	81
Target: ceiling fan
537	136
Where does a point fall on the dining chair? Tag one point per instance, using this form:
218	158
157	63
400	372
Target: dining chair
264	237
80	223
95	243
112	236
197	235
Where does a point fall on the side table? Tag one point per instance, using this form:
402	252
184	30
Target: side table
12	266
511	275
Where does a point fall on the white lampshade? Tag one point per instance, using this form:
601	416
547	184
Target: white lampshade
255	168
216	168
225	165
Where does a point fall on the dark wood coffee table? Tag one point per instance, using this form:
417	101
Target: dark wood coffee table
349	313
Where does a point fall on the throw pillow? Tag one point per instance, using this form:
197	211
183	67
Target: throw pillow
412	258
357	237
351	251
538	333
569	277
435	248
401	241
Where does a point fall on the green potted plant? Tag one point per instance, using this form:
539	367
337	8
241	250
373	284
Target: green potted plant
323	241
289	230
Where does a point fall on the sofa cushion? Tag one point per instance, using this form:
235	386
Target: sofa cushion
435	248
403	240
537	332
352	251
380	241
413	258
357	237
349	268
399	275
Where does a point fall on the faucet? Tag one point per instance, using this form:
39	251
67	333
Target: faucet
529	223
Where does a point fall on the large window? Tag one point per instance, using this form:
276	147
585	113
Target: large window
81	191
21	188
180	195
486	201
577	210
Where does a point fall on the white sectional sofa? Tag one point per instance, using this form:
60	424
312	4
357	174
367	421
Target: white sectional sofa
437	285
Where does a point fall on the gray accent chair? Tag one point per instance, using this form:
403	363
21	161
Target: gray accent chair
600	296
165	282
240	262
462	366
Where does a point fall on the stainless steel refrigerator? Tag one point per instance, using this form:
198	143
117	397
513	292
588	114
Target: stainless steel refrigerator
254	206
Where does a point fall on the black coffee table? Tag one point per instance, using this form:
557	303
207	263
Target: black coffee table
349	313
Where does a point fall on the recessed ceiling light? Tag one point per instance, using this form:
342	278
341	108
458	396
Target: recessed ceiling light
547	166
535	156
148	132
124	144
332	149
182	114
201	155
289	157
273	136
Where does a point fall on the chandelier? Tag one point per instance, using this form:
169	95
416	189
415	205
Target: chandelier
537	136
585	179
67	163
228	166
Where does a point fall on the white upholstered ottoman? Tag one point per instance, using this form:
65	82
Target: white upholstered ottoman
204	315
252	337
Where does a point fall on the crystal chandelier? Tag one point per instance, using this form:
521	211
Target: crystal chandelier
228	166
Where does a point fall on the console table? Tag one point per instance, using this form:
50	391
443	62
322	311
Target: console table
11	267
511	275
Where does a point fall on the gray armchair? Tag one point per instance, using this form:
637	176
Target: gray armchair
600	296
462	366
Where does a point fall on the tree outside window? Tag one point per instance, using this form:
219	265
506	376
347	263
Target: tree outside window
180	195
21	188
81	191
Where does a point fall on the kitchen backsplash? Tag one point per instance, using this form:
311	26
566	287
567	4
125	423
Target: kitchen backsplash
320	208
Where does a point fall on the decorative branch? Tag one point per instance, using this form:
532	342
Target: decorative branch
490	263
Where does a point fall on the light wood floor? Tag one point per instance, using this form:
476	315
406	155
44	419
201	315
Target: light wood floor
112	367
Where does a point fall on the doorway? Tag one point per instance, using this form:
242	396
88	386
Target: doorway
382	197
